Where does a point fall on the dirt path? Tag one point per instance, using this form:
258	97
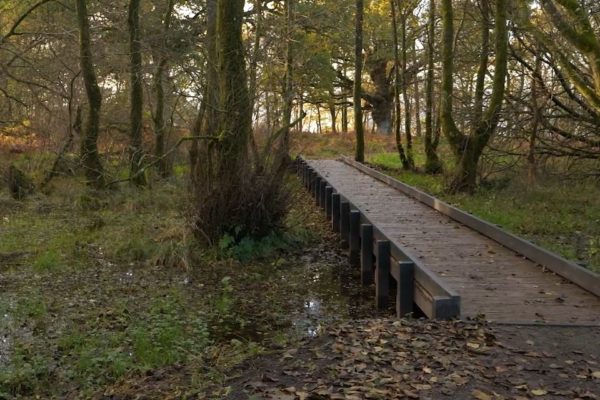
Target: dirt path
390	359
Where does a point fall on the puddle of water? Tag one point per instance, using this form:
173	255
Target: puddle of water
333	293
5	339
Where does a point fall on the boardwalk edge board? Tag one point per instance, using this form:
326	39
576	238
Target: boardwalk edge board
429	292
580	276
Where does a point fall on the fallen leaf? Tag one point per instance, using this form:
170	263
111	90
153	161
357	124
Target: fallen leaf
539	392
479	395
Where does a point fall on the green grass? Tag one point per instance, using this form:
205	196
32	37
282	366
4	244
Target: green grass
47	261
561	216
106	287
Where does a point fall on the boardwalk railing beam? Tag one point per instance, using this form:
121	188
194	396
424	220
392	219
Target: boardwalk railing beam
366	254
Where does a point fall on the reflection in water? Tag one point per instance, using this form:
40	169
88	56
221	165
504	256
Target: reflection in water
331	292
5	343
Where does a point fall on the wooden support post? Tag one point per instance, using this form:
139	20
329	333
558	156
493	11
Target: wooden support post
366	254
317	189
328	193
304	174
382	275
311	180
335	212
322	193
406	289
344	223
354	238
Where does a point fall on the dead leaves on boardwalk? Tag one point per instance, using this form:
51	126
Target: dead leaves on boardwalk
387	359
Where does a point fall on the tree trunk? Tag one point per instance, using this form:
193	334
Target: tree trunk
397	83
405	97
483	60
333	114
253	72
358	65
136	172
381	99
468	148
288	101
319	125
537	117
235	115
206	120
344	118
90	158
417	91
432	161
159	112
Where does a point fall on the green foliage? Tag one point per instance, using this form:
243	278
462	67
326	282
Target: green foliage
26	370
47	261
31	307
248	249
168	336
134	250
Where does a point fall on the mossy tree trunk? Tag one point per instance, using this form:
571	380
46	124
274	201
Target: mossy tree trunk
432	161
136	172
358	67
224	171
469	147
159	90
288	90
397	82
206	121
235	115
405	96
90	158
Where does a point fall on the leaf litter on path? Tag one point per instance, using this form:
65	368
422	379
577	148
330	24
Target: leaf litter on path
397	359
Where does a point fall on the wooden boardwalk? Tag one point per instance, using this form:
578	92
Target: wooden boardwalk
491	280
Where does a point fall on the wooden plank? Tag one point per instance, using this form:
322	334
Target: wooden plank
382	274
424	301
366	254
585	278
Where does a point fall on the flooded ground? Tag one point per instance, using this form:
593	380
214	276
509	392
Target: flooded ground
87	308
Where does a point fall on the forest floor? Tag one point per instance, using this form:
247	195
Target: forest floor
106	292
105	295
